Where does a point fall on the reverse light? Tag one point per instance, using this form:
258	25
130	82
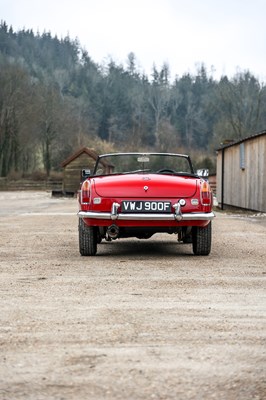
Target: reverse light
194	202
85	192
205	194
97	200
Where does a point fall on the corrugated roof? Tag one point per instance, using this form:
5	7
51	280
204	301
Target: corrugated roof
242	140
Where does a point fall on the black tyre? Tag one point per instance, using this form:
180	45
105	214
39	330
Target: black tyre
201	240
87	239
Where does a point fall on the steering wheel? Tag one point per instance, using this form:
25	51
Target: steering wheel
166	170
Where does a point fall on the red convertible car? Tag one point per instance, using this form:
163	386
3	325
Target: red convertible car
140	194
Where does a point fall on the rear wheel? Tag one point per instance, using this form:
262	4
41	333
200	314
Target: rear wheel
87	239
201	240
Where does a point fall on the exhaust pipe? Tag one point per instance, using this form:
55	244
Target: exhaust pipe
112	231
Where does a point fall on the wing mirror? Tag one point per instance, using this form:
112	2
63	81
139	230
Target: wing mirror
85	173
203	173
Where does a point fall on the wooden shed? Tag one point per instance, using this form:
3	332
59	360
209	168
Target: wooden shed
83	158
241	173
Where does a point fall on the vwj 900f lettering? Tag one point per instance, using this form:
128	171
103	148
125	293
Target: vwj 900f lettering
146	206
138	195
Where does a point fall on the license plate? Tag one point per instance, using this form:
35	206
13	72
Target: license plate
129	206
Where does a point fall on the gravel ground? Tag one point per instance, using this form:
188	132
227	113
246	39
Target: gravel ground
141	320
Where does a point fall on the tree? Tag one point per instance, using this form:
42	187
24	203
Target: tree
49	109
242	102
14	110
159	96
131	61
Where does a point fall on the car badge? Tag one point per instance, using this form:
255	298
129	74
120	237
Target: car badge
146	188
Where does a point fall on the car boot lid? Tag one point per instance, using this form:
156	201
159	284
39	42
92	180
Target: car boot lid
145	185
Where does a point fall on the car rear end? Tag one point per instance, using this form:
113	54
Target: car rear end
141	203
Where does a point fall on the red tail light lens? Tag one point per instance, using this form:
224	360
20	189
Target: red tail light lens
205	194
85	192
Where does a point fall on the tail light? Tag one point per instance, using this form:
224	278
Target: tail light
205	194
85	192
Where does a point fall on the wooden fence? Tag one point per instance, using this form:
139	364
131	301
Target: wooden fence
28	184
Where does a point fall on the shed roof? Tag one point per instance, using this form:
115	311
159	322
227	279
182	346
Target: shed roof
86	150
242	140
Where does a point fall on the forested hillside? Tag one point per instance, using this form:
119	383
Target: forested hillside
54	99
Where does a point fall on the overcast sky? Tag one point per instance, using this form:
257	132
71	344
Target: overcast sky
225	35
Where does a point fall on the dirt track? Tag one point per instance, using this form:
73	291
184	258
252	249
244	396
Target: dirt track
141	320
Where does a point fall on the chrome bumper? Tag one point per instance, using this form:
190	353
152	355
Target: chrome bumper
176	216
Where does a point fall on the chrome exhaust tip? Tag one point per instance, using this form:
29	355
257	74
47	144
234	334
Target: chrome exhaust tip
112	231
